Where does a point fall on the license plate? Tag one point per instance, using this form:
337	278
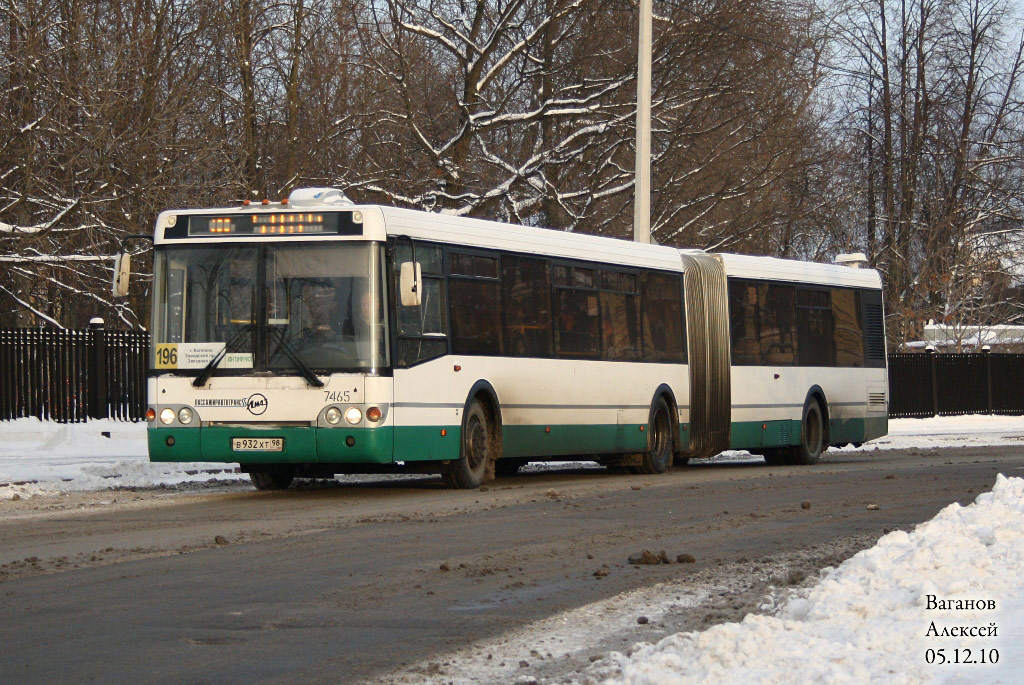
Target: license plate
257	444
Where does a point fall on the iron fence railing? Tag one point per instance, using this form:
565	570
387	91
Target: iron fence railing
931	384
73	375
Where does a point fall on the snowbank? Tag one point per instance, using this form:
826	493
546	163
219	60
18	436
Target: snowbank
43	457
869	619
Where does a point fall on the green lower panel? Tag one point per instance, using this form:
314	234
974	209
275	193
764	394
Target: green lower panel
755	434
426	443
301	445
369	446
549	441
423	443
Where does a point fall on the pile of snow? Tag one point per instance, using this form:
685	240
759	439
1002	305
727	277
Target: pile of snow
43	457
869	620
974	430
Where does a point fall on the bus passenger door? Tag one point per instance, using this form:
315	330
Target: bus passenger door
422	407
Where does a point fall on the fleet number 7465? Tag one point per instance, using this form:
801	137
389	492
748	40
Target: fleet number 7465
336	396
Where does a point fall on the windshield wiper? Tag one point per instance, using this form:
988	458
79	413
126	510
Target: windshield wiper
211	365
307	373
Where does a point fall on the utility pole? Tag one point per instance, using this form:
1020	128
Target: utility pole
642	183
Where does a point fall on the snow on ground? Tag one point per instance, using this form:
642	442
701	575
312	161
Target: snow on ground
869	621
41	457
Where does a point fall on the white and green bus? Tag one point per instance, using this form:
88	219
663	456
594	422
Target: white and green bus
313	337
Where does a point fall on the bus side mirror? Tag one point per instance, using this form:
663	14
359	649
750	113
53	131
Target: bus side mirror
122	273
410	284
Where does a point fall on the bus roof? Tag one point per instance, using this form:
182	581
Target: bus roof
771	268
545	241
381	222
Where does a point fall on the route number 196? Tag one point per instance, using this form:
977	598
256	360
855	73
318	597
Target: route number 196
167	356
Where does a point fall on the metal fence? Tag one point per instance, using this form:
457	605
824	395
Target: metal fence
931	384
73	375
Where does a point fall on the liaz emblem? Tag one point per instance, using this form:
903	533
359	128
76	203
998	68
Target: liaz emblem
257	404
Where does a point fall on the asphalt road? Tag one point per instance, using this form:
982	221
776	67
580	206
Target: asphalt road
348	583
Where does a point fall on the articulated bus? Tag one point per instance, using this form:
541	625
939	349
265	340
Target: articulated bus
312	337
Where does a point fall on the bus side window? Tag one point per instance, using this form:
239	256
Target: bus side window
777	324
526	293
475	295
662	314
848	337
620	319
577	313
746	349
814	327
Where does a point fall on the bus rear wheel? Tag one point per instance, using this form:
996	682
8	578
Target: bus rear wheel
477	449
812	436
660	446
271	480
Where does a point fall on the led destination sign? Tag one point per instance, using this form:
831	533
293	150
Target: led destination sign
264	223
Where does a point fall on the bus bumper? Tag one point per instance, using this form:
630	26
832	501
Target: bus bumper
302	445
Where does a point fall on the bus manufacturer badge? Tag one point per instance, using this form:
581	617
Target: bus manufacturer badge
256	403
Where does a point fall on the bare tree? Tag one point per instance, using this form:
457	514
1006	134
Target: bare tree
939	111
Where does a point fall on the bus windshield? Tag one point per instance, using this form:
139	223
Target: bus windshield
273	307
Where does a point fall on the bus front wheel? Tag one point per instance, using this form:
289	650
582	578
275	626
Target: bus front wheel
812	436
478	448
660	446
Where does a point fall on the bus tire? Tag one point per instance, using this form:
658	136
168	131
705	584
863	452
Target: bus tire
660	445
812	435
476	450
272	480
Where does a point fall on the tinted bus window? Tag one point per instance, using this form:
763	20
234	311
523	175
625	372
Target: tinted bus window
814	328
474	294
576	332
777	324
620	327
663	338
746	348
527	298
847	336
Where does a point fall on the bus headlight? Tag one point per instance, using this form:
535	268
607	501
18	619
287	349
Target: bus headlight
185	415
167	416
333	416
353	415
